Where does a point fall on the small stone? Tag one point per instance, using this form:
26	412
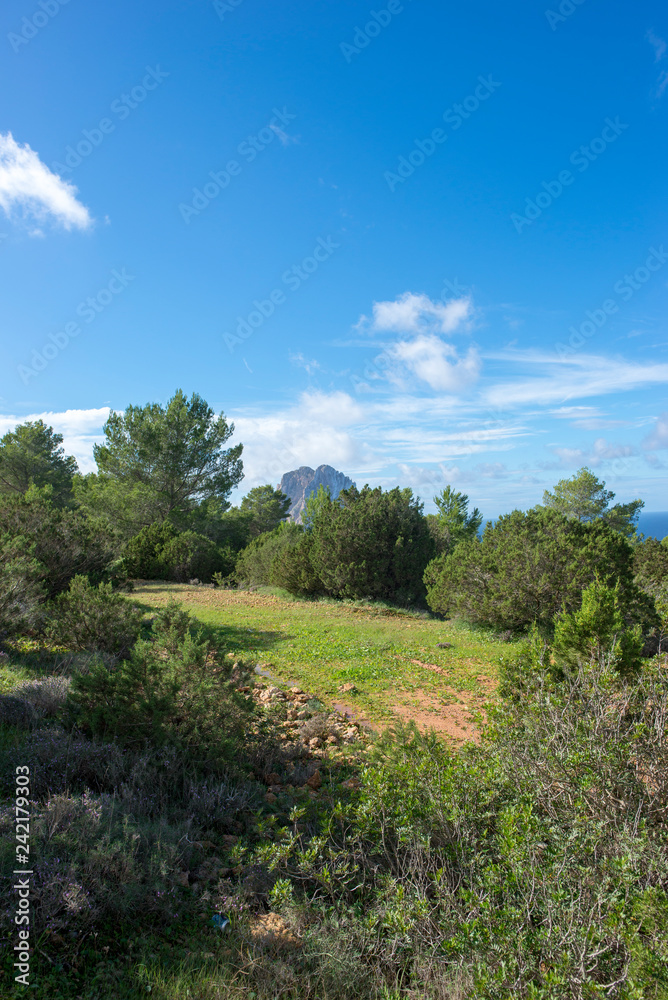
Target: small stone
352	784
270	798
444	645
273	778
347	688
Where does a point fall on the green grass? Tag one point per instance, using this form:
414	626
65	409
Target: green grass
323	645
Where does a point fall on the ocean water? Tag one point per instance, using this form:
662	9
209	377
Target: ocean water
654	525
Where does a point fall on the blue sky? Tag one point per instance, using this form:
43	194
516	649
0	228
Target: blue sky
423	243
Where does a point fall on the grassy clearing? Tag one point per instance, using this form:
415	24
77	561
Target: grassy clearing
391	657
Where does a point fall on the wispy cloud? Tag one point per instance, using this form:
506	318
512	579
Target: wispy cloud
600	452
28	187
574	377
658	44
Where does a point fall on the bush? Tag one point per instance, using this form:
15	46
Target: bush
94	862
21	589
264	561
192	556
597	633
94	619
143	554
65	543
530	566
160	552
171	692
370	544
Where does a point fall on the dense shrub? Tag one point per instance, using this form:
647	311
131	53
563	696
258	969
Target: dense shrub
371	544
597	632
192	556
143	554
528	567
160	552
21	589
64	542
262	562
170	692
94	862
94	619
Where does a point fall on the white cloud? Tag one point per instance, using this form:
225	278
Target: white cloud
418	314
81	429
658	437
28	185
601	451
437	363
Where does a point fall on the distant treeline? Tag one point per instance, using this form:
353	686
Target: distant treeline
158	508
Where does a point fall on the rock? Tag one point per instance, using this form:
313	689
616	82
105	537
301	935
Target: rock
292	714
348	688
296	691
302	482
229	840
182	879
445	645
270	798
271	931
352	784
315	781
350	735
273	779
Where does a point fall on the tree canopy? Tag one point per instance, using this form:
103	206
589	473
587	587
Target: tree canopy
32	455
266	508
453	523
584	498
161	462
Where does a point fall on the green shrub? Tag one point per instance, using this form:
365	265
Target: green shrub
21	589
192	556
66	543
597	633
143	554
170	692
94	619
528	567
263	562
370	544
